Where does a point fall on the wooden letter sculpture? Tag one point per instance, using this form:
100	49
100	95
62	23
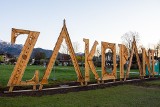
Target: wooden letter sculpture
17	74
106	75
146	61
63	35
19	69
123	52
151	59
134	49
89	61
87	76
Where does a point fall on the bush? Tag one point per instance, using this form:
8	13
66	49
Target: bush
134	66
56	63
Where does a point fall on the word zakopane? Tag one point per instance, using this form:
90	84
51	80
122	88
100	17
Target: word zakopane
19	69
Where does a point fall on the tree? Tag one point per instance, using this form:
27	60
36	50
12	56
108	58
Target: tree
98	51
127	39
158	48
1	58
39	55
80	58
76	46
64	49
12	60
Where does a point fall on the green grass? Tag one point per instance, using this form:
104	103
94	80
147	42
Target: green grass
6	71
120	96
62	74
153	83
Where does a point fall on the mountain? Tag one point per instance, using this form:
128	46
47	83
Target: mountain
48	53
6	47
79	54
15	49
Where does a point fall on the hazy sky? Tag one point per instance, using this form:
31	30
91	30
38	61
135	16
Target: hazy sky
101	20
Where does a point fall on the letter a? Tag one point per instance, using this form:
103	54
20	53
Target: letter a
63	35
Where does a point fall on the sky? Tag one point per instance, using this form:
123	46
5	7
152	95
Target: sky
101	20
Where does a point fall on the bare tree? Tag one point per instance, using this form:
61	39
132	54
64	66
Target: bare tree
98	51
75	46
127	39
158	48
64	48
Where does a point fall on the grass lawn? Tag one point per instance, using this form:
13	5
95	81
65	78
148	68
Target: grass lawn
119	96
61	74
152	83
